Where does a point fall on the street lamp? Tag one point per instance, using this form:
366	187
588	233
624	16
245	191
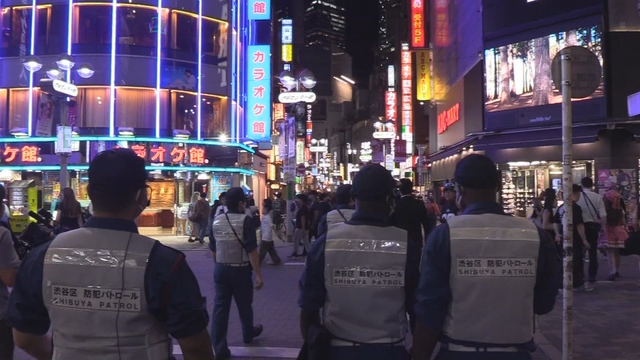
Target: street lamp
55	75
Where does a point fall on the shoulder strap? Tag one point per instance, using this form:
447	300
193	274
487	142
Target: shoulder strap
341	214
588	201
235	233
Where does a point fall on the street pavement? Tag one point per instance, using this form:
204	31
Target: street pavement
607	320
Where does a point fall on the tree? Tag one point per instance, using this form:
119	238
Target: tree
504	76
542	90
512	75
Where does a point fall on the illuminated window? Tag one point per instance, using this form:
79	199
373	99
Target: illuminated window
93	107
136	108
214	42
92	29
183	111
138	30
19	108
16	31
214	116
184	37
51	36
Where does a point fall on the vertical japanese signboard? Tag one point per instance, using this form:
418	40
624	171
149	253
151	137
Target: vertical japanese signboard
259	9
390	101
442	33
423	71
258	111
417	23
406	95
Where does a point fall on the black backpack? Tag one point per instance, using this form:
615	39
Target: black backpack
20	247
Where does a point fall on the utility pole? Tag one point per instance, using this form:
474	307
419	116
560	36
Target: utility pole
567	224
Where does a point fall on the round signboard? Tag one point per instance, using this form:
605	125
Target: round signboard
586	71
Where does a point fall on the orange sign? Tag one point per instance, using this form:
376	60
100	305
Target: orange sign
178	154
28	154
196	155
417	23
448	118
140	150
278	112
158	154
442	33
423	70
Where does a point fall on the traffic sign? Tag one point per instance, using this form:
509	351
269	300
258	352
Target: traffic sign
301	169
586	72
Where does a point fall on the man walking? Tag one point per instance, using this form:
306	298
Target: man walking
411	214
594	214
234	247
362	273
483	276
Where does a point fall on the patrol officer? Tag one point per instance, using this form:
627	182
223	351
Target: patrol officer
234	246
106	291
449	208
362	273
342	212
483	276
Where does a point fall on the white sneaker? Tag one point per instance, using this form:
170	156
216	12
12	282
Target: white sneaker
585	288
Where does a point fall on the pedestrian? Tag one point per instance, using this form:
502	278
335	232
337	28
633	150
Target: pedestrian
594	214
266	234
68	211
362	274
614	235
483	276
550	204
449	206
580	243
301	232
223	204
433	212
343	212
9	262
235	253
411	214
105	276
193	217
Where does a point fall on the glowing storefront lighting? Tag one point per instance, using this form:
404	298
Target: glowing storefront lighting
31	52
158	66
112	80
199	77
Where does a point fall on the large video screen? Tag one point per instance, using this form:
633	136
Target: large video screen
519	75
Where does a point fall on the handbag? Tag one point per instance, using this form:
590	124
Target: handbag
631	245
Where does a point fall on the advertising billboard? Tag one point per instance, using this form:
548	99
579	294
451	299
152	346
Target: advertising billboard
258	109
259	9
423	72
417	23
519	75
406	95
390	104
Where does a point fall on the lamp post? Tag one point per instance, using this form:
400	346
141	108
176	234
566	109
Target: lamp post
289	81
57	84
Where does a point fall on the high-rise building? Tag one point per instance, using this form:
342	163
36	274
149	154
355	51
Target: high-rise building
391	30
325	23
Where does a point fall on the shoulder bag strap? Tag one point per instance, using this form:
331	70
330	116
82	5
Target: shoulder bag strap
341	214
235	233
588	201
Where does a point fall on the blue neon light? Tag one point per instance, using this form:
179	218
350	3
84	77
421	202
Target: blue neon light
69	34
112	79
258	110
31	52
259	10
199	96
158	67
148	168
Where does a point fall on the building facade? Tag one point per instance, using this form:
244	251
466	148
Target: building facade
166	85
325	23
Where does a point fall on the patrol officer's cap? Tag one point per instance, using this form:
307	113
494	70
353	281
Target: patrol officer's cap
372	183
343	193
477	171
117	170
235	194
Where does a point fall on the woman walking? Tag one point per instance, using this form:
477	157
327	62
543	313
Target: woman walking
69	211
615	233
198	216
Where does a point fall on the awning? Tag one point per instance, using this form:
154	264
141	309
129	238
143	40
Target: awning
535	138
453	149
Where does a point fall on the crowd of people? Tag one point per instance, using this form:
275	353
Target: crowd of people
378	266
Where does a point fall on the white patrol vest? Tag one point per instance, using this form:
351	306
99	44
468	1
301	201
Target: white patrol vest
93	286
365	277
494	260
228	247
339	216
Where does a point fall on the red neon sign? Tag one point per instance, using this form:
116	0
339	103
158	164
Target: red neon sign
140	150
390	105
178	154
448	118
27	154
417	23
196	155
407	92
158	154
442	33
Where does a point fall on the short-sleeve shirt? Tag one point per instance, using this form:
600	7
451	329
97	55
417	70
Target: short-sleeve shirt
303	211
172	290
8	260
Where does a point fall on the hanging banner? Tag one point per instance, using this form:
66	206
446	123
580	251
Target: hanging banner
258	112
407	95
423	71
391	106
46	107
417	23
442	32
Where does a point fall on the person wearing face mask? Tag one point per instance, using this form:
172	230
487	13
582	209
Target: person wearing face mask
483	276
362	273
105	291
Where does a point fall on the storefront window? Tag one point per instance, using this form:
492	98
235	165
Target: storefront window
92	29
214	41
19	107
214	116
183	115
138	30
136	108
184	36
16	31
51	37
93	107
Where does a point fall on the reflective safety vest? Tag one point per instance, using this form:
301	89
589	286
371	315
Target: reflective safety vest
494	260
229	249
339	216
365	278
93	286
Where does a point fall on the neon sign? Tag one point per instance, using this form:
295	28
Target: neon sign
197	155
259	9
25	154
258	110
407	94
448	118
417	23
158	154
390	105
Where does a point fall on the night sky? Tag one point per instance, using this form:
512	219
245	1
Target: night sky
362	37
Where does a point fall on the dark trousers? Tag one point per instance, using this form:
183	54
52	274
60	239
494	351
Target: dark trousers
592	230
231	282
269	247
369	352
6	341
479	355
578	263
